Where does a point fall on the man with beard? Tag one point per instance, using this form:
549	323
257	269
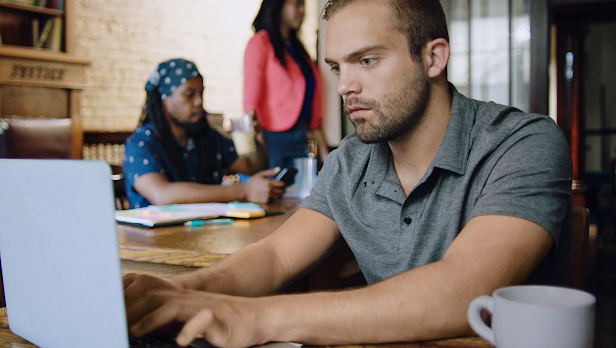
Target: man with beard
441	198
174	156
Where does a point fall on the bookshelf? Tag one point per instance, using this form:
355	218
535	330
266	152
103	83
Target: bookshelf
40	80
41	24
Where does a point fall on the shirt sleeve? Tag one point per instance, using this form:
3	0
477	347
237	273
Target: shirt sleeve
142	156
530	177
255	61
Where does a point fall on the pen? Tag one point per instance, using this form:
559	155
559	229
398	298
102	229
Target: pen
208	222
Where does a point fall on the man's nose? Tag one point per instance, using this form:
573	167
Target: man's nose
198	101
348	83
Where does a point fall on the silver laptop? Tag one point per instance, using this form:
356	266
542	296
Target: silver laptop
60	257
59	254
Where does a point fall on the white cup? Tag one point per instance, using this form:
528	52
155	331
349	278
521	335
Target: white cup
243	135
534	316
306	175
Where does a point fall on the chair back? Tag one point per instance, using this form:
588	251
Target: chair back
29	137
580	247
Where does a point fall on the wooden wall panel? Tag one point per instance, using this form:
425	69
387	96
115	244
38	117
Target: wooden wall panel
34	102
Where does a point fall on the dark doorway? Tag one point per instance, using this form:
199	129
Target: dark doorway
584	53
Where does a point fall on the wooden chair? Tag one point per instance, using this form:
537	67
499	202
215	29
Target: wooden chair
29	137
580	247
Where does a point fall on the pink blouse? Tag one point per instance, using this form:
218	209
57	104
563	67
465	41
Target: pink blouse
274	93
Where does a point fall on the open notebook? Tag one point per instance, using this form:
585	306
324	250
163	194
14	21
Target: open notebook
60	256
177	214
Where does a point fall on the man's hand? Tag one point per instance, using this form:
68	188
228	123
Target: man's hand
261	188
225	321
138	286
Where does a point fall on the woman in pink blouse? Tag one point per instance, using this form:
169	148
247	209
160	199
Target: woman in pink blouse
282	85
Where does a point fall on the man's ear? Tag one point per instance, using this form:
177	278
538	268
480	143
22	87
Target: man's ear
436	57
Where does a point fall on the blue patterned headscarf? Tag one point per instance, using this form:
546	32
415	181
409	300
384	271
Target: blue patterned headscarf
171	74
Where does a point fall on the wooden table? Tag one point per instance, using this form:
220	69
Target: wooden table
174	250
10	340
198	246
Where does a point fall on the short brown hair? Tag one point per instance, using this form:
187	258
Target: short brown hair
420	20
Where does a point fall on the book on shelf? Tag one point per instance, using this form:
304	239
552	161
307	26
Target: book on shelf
42	3
51	34
45	33
55	4
35	32
22	2
55	40
28	31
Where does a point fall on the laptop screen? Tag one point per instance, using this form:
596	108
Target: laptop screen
59	253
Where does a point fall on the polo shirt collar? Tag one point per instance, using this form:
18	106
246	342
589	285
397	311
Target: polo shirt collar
452	154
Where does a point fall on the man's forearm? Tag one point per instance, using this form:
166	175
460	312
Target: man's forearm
426	303
251	271
189	192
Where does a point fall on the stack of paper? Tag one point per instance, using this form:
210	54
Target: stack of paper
177	214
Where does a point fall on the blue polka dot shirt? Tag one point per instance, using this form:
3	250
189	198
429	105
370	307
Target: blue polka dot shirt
143	154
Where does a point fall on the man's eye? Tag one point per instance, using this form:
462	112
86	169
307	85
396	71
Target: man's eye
367	61
335	69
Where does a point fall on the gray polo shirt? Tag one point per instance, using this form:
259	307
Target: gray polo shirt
494	160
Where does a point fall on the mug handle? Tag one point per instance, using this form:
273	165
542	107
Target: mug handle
474	317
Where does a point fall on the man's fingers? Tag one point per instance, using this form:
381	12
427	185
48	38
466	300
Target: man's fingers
277	184
132	293
128	279
144	305
155	319
269	172
195	327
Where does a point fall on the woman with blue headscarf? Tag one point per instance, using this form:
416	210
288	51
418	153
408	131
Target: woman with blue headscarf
174	156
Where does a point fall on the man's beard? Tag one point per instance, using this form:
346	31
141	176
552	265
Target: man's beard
192	128
396	115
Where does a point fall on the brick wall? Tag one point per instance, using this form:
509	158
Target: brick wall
125	39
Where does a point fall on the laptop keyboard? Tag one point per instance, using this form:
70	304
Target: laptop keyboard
148	341
151	342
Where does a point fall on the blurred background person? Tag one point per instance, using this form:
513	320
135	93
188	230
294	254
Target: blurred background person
174	156
282	85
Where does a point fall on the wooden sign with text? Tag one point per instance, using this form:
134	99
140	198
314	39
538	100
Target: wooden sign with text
41	73
36	73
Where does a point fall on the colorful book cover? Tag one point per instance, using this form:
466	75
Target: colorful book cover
166	215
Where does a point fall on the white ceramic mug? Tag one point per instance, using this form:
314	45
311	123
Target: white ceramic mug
243	135
533	316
